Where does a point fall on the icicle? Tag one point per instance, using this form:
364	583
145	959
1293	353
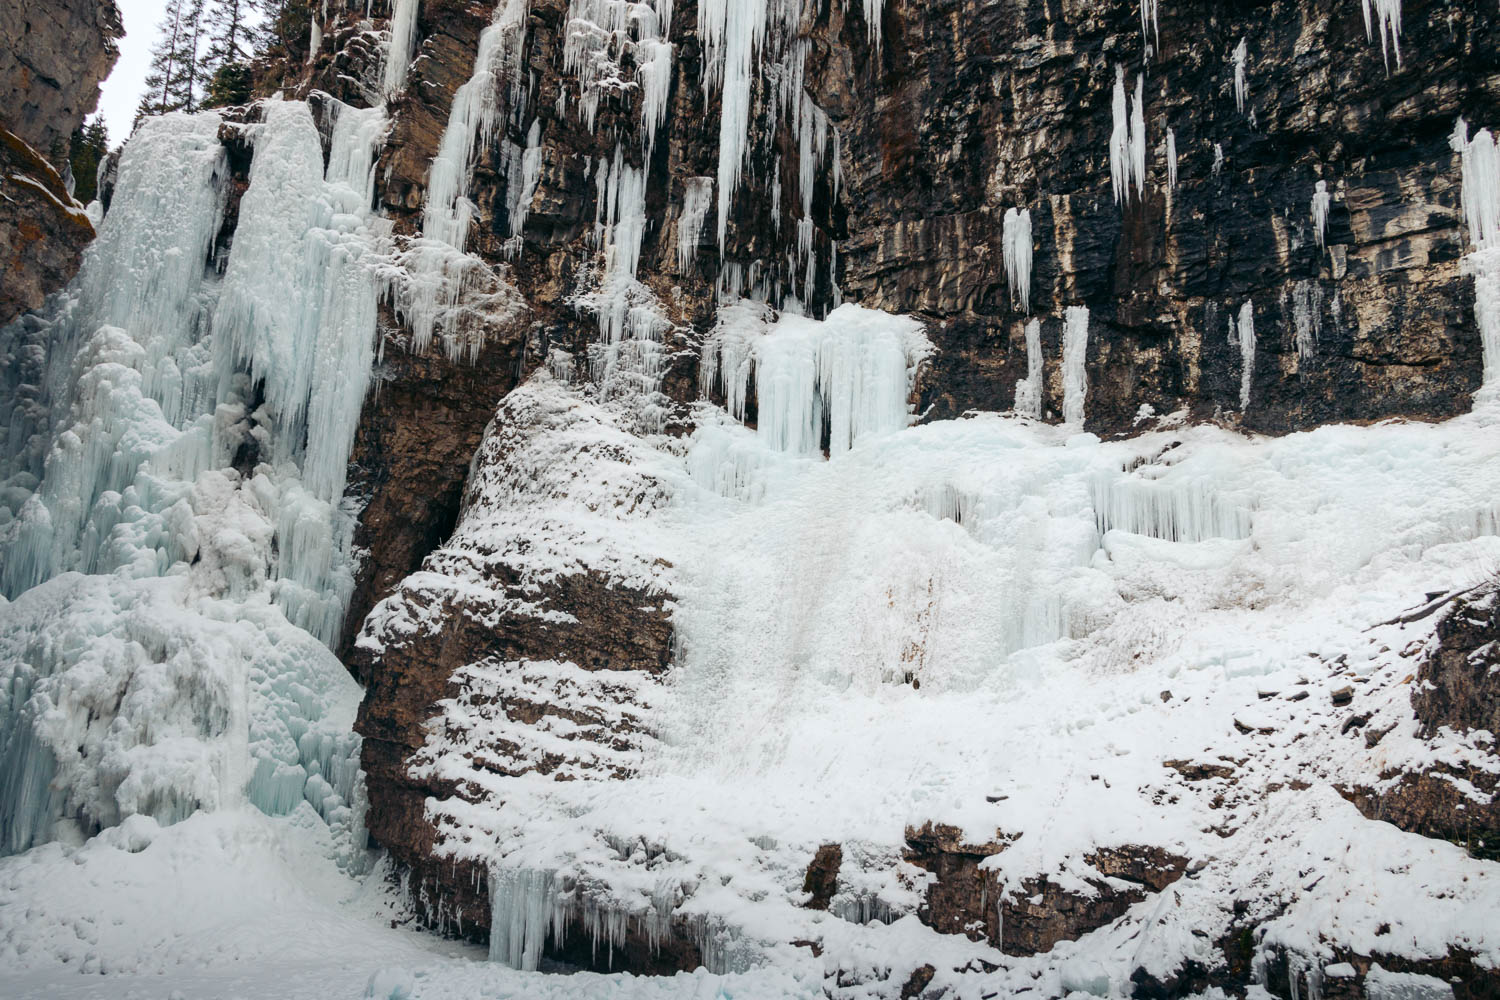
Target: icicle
1241	54
1171	160
1244	331
697	198
1029	389
1138	135
1150	35
1387	20
1127	144
1320	202
1075	359
848	376
1016	253
1307	317
525	909
1119	141
526	172
403	42
732	32
1218	158
471	123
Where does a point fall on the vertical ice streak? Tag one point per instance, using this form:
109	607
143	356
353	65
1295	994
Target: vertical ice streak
1119	140
471	122
1075	361
1245	332
1138	135
403	40
1320	203
1029	389
1241	54
1171	160
437	274
1016	254
1307	317
732	33
697	199
1480	166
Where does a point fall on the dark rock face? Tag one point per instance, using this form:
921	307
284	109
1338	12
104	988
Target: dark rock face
1457	688
977	107
53	54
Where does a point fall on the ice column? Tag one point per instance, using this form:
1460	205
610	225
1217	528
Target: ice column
1171	160
1016	246
1480	163
1029	389
1320	202
403	38
1075	358
1243	334
1241	53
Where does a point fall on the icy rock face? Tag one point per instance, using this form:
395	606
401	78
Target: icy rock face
681	192
53	54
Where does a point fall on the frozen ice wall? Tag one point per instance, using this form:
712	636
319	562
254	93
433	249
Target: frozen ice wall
963	620
181	437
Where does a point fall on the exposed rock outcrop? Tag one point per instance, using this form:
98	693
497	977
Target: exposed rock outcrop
1458	690
965	897
53	55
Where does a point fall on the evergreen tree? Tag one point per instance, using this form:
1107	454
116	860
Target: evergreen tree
175	82
231	39
89	146
230	33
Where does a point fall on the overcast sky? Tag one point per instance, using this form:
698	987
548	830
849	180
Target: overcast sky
122	91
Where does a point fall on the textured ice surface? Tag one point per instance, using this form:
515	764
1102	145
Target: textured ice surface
185	672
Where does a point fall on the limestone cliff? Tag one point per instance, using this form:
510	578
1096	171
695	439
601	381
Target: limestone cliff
53	56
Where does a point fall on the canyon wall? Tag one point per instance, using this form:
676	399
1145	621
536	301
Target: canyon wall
53	56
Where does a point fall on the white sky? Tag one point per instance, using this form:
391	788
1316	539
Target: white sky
122	91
